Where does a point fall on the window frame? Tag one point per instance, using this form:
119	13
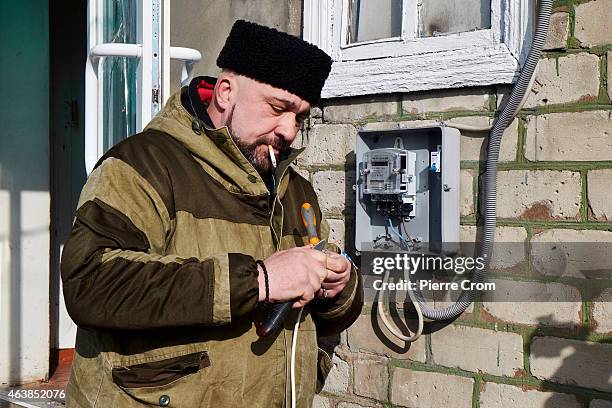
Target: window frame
476	58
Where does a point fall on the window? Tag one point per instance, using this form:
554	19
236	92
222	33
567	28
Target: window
385	46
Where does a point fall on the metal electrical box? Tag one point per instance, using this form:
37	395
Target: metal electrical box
407	188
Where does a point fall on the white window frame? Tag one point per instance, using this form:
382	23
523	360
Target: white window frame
153	52
407	64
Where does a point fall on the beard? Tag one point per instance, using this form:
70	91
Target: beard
262	164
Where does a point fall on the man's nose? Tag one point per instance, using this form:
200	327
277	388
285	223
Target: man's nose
287	127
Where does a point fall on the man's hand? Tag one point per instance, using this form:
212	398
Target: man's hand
296	273
338	275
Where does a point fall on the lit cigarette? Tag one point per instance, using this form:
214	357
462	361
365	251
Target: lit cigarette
272	156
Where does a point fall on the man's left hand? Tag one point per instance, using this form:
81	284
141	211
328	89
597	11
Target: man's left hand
338	275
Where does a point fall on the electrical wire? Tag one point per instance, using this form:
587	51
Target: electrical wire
381	312
293	345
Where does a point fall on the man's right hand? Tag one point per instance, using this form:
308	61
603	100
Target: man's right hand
293	274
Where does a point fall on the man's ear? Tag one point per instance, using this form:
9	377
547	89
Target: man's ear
225	91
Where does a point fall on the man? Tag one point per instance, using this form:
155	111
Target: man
185	231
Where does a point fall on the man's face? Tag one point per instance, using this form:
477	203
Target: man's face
263	115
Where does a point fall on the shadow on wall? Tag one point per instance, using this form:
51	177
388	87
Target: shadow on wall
575	362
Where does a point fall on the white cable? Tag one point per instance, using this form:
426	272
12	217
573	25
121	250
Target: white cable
387	323
293	344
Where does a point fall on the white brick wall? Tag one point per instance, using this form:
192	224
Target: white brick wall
557	33
508	396
556	80
328	144
478	350
582	363
572	253
602	311
430	390
538	194
599	182
470	99
581	136
593	23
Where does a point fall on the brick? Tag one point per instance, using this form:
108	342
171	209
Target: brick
400	124
320	402
336	232
555	80
360	108
328	144
557	32
508	247
430	390
593	23
478	350
602	311
362	337
302	172
572	253
507	396
338	378
466	192
371	379
599	182
334	190
353	405
579	136
539	194
465	99
471	143
600	404
533	303
582	363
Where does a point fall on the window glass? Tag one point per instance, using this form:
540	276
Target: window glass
119	73
440	17
374	20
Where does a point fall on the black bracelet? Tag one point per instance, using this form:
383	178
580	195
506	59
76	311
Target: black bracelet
265	271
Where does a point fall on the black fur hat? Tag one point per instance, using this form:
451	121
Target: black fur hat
276	58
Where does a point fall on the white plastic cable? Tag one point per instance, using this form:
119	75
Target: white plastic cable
387	323
293	344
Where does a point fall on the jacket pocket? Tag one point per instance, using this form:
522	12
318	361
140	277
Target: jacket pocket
159	373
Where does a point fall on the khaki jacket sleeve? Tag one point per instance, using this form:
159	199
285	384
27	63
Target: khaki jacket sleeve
335	315
116	274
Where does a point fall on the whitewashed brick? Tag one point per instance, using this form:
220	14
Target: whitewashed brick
533	303
353	405
602	311
338	379
575	362
557	32
508	396
466	192
555	80
328	144
471	143
466	99
572	253
478	350
400	124
580	136
599	182
593	23
336	232
508	248
331	186
360	108
363	338
600	404
430	390
320	402
371	378
539	194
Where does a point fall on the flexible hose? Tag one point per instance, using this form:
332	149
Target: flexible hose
490	209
